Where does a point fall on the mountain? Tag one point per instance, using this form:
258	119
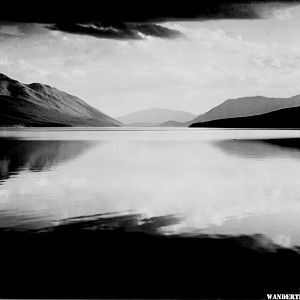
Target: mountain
283	118
172	124
155	116
42	105
246	106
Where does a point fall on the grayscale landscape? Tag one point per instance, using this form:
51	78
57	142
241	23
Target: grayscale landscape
151	154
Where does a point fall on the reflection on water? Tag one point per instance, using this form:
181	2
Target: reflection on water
121	223
115	222
17	155
14	220
262	148
213	182
147	211
125	256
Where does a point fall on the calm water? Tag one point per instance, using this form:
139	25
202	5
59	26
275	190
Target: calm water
210	181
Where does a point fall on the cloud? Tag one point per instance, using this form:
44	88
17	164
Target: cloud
210	64
4	61
139	12
10	30
130	20
134	11
279	10
283	14
127	31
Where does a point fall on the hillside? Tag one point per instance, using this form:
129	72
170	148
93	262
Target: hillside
247	106
240	107
42	105
283	118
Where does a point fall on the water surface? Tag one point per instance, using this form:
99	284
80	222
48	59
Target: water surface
190	181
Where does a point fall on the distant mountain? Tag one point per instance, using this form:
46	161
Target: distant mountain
42	105
246	106
173	124
140	124
155	116
283	118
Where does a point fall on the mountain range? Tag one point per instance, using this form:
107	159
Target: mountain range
42	105
283	118
247	106
155	116
238	108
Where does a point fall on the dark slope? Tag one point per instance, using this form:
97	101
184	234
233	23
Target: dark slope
283	118
41	105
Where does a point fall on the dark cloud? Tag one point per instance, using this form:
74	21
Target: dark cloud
132	19
119	30
57	11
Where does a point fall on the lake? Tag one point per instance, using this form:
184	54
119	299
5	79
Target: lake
198	181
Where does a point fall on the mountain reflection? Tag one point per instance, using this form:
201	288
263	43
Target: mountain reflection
36	155
261	148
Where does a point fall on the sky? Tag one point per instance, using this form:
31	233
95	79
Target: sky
209	62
